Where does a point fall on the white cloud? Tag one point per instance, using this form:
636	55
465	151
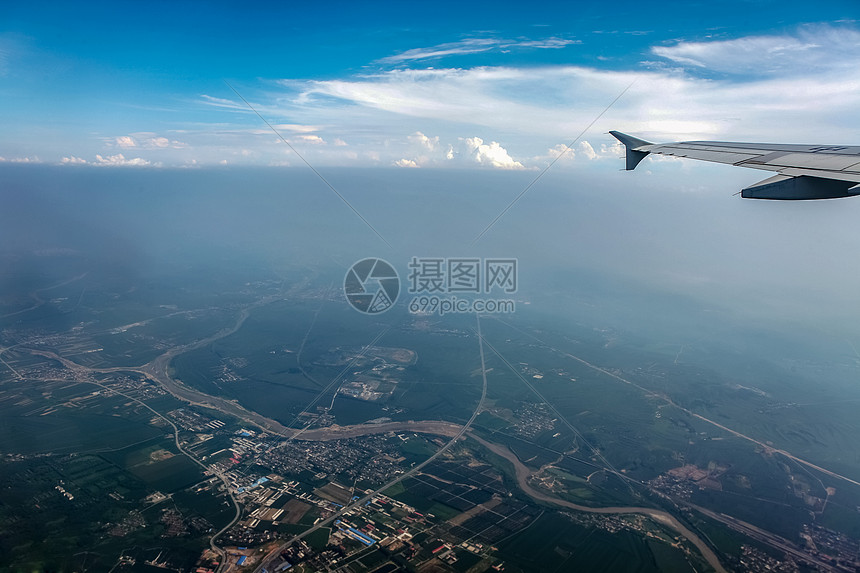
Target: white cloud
111	160
31	159
120	160
296	128
405	163
548	43
615	149
478	96
422	140
493	154
11	45
662	104
314	139
467	46
474	46
799	87
562	152
4	60
809	49
586	149
145	140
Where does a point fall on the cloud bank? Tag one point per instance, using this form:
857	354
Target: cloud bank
796	87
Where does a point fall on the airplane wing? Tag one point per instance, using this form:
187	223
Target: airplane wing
803	171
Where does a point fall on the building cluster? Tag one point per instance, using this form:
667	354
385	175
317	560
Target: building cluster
374	459
136	387
225	372
832	547
533	419
476	513
133	521
680	482
193	421
755	560
672	486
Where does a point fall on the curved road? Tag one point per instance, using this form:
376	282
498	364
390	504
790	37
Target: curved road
277	550
523	474
157	371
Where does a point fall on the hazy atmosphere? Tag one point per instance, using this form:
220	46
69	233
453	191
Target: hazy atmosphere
223	347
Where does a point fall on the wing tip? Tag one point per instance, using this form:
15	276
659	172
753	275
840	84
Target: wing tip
631	144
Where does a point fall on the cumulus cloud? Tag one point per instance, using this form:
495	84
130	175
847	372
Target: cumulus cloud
405	163
314	139
31	159
562	152
493	154
615	149
146	140
586	149
422	140
120	160
72	160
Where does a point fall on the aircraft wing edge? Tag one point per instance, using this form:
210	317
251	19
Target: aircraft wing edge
791	183
800	188
632	155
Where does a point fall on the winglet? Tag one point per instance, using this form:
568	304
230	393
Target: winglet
631	144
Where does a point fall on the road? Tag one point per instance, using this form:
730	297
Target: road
462	431
187	454
523	474
648	392
158	371
435	427
765	537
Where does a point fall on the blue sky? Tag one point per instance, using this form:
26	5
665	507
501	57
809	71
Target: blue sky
477	85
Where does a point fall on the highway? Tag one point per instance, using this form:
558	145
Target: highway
157	371
523	474
765	537
462	431
668	400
